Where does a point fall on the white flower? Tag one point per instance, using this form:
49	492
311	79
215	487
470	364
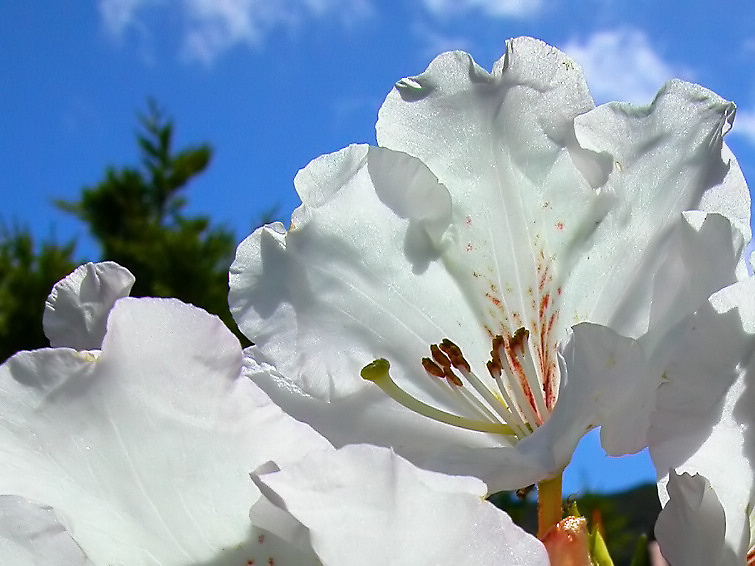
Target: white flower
139	453
499	210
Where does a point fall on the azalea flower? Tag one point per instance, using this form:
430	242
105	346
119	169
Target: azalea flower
499	210
701	436
138	451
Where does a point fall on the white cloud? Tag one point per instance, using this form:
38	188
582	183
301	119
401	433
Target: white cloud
118	15
744	125
211	27
622	65
494	8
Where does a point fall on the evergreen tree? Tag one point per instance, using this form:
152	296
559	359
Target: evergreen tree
26	276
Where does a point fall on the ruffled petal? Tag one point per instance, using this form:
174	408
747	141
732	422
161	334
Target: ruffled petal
496	141
668	157
365	505
77	309
144	449
323	300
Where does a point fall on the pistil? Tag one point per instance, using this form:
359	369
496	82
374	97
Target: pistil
378	373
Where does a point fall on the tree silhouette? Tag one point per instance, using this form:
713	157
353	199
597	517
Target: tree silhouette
26	277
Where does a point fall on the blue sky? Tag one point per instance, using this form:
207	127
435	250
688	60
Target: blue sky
271	84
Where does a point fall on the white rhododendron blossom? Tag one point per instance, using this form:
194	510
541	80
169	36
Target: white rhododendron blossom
139	452
702	436
500	209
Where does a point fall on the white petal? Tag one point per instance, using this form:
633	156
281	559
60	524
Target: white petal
680	133
705	408
690	527
604	383
669	157
31	535
144	450
702	253
77	309
611	380
356	277
662	160
365	505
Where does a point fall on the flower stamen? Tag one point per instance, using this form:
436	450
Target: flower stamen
521	396
454	384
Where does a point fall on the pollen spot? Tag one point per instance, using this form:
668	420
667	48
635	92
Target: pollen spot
87	356
496	301
470	247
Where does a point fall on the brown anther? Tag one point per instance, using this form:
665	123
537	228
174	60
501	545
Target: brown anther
454	354
518	340
439	356
432	368
494	367
453	379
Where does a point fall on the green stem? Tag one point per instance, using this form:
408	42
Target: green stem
549	508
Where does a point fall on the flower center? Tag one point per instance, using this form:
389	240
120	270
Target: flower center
510	400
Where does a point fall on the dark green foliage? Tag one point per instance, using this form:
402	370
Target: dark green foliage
136	215
641	555
26	276
626	516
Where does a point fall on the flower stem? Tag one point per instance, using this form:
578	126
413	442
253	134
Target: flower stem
549	509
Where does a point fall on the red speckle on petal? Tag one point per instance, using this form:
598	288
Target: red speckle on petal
261	539
470	247
468	220
544	304
559	225
271	561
